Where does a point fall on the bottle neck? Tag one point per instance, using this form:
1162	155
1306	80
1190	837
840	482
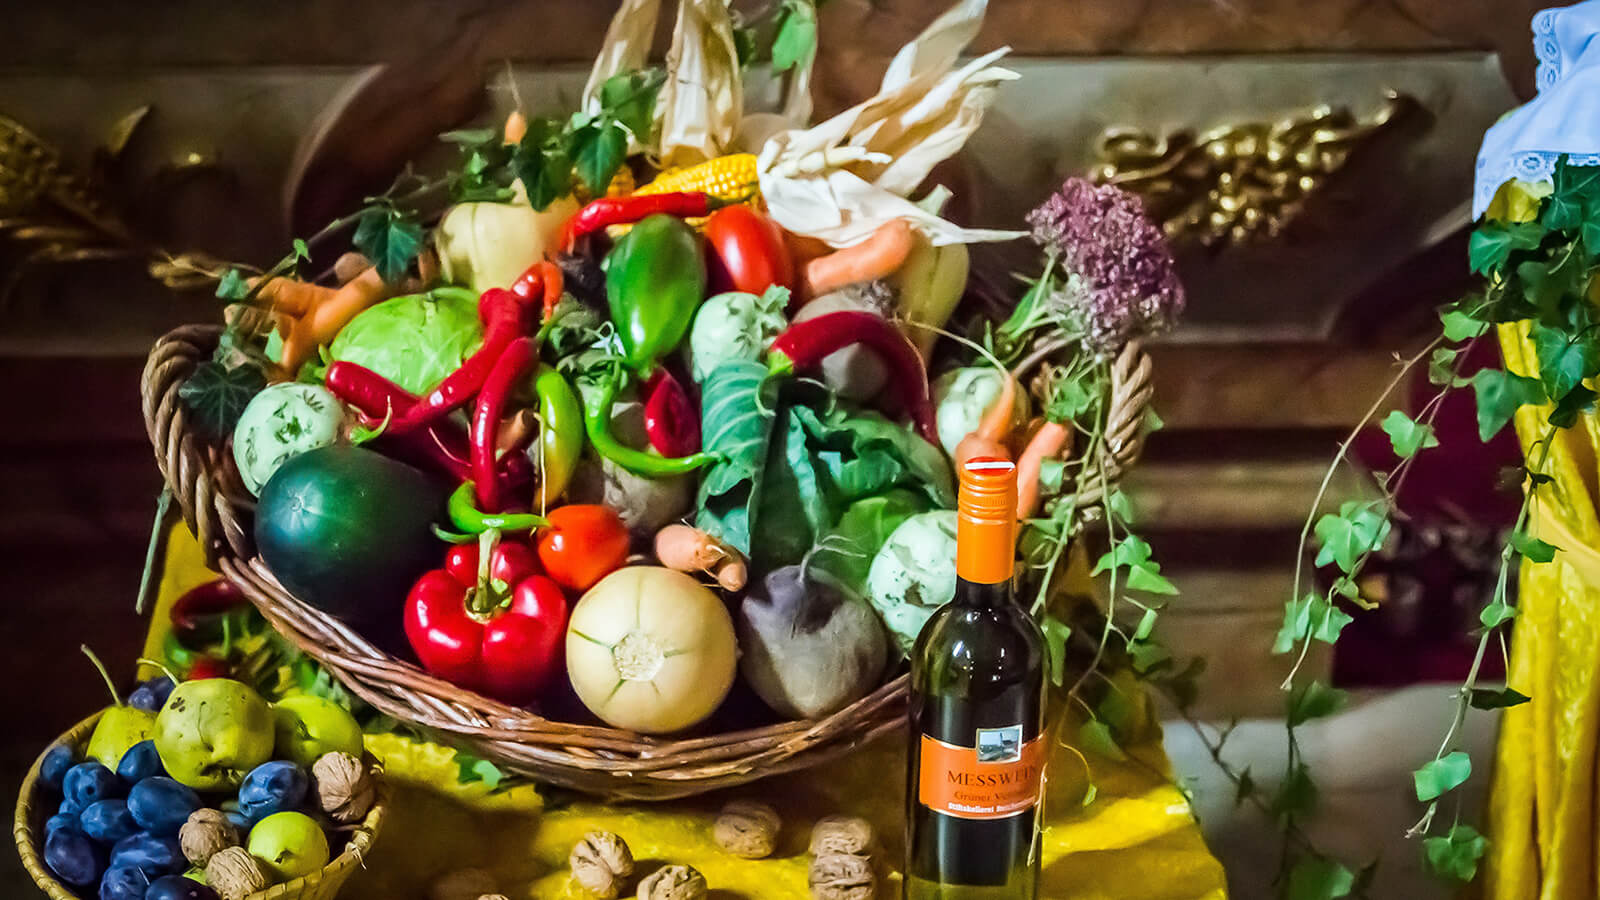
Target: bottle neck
985	560
983	596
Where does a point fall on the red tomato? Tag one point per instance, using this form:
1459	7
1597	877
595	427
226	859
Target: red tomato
583	544
747	251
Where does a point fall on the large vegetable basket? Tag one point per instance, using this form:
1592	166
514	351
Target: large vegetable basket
589	758
324	884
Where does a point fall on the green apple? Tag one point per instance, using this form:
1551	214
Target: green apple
308	726
212	732
119	728
289	845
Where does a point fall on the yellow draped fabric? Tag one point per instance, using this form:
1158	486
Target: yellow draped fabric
1542	804
1137	840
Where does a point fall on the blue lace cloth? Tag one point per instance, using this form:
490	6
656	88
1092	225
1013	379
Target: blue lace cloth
1563	119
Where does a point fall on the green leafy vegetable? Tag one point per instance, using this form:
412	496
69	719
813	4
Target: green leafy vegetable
738	409
846	552
415	340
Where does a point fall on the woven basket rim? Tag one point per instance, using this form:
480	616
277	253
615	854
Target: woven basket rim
593	759
356	849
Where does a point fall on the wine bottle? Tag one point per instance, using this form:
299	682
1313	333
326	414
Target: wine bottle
977	714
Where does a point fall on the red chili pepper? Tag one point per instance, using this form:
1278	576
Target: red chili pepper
805	344
494	628
198	616
441	445
206	667
607	211
508	370
543	275
505	318
671	422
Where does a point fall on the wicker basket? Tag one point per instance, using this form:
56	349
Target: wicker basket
593	759
320	885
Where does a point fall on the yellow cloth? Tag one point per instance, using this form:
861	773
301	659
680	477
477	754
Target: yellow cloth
1542	805
1138	840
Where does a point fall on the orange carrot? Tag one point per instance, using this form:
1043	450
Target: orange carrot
688	549
516	127
989	438
1052	439
876	257
291	296
320	323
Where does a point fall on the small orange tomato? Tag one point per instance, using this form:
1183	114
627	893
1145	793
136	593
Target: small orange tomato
583	543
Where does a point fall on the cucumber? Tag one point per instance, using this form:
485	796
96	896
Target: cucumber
347	530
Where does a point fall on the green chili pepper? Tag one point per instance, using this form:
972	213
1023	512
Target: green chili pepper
560	433
597	422
467	517
655	279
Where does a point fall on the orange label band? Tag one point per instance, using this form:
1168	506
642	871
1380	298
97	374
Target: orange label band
998	778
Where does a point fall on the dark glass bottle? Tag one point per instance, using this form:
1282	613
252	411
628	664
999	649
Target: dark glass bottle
977	715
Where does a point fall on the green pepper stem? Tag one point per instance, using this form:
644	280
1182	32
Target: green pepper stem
597	423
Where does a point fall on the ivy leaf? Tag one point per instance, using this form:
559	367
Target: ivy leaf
1095	735
1456	854
301	251
1545	285
1459	326
1562	211
1056	633
470	769
1089	793
1442	775
1408	436
630	99
1575	402
745	45
1314	700
1442	367
1244	788
233	285
1563	362
1532	549
796	34
1310	617
597	152
470	137
1147	624
1296	796
1589	232
1500	394
1148	656
1483	698
1315	878
542	164
1358	529
1143	574
1121	507
1492	243
216	395
390	240
1496	614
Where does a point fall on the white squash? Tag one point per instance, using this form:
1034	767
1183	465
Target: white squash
484	245
650	649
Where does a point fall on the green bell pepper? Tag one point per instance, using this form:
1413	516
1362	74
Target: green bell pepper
655	279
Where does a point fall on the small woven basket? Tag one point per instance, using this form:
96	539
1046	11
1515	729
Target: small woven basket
320	885
589	758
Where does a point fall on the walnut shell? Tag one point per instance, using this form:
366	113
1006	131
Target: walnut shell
842	876
841	834
601	863
673	883
205	834
747	829
234	874
345	789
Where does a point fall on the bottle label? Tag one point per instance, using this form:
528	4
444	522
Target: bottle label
997	777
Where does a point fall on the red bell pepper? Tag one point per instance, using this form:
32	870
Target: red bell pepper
805	344
747	252
671	422
494	628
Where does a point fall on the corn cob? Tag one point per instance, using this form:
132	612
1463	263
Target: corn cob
727	178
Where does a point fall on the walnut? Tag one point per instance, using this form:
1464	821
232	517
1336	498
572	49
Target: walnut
842	876
234	874
841	834
345	789
673	883
462	884
747	829
601	863
493	897
206	833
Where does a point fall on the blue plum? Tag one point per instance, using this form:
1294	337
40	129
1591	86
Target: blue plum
177	887
161	805
273	787
154	854
151	694
124	883
57	760
73	857
87	782
107	821
66	820
140	762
